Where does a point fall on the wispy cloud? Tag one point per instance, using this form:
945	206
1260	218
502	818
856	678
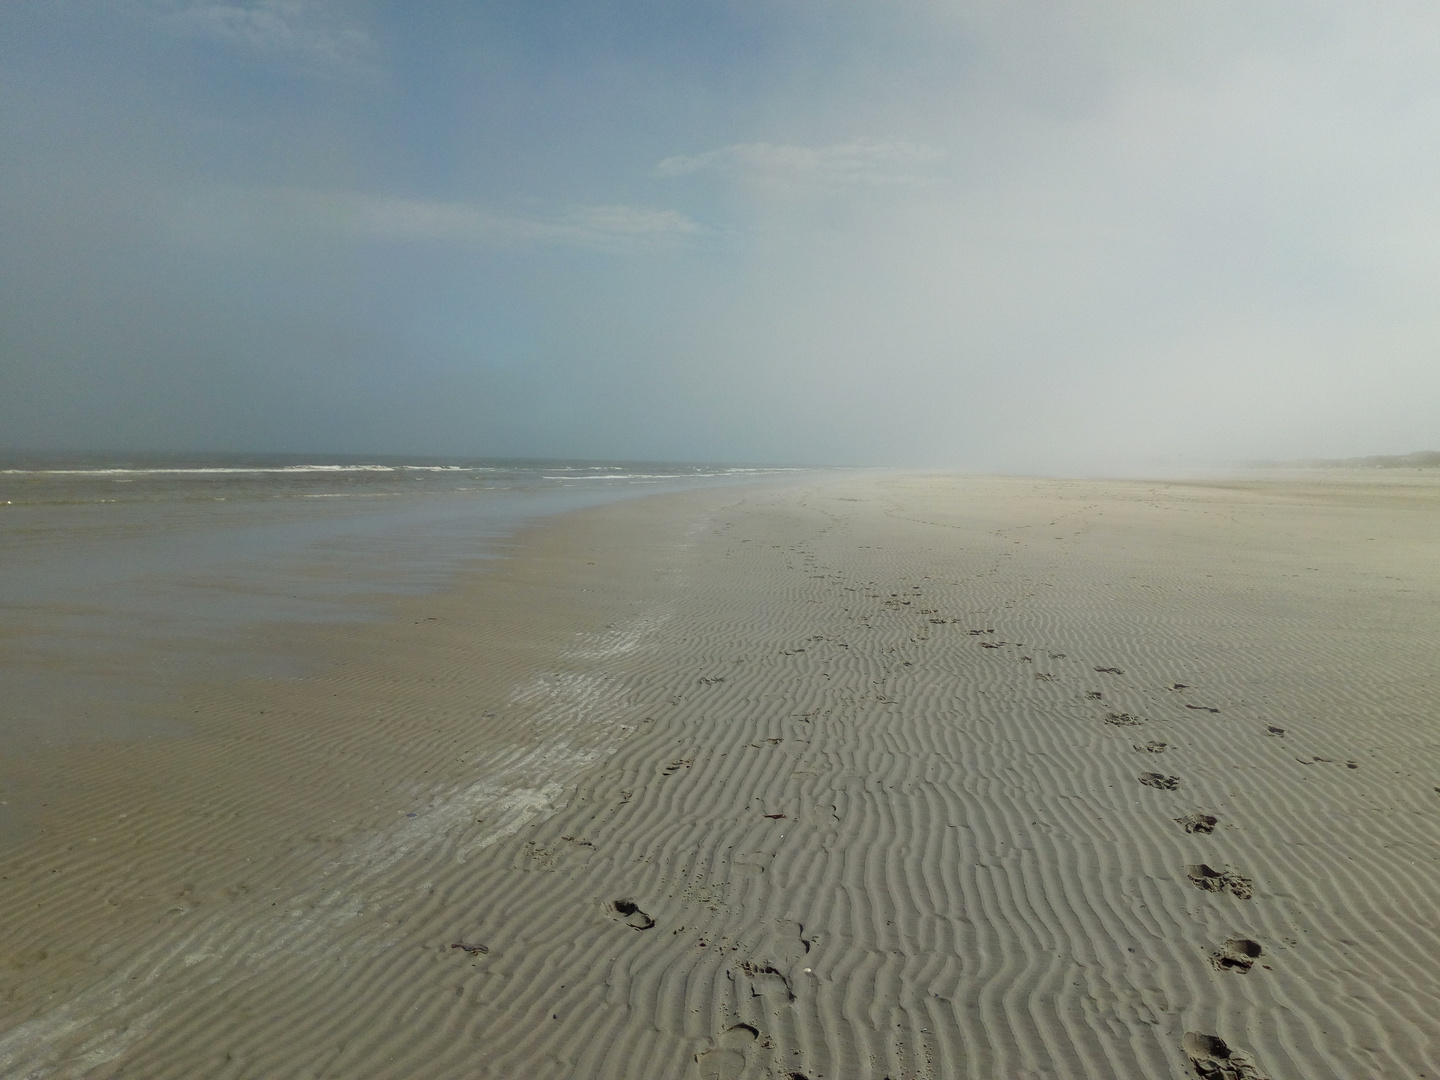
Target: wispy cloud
862	163
232	216
633	222
318	35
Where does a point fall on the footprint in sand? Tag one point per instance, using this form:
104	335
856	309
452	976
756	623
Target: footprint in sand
1109	671
634	917
1123	719
1211	880
1151	747
1328	761
678	764
1159	780
1202	708
1237	954
726	1059
1094	695
1212	1059
750	862
1198	823
1275	732
766	978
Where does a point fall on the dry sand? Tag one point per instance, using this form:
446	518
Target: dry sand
857	778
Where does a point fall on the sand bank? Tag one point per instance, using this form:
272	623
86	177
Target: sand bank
857	778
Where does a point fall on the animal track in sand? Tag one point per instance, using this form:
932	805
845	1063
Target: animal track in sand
1123	719
1109	671
1237	954
1151	747
1094	695
1275	732
678	764
1159	780
1202	708
1177	686
1211	880
474	948
1198	822
1212	1059
634	917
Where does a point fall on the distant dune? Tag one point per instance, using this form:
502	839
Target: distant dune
1420	459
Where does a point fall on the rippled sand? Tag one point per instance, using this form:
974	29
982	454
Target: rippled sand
859	777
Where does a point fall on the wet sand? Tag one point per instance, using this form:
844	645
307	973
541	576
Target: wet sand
858	777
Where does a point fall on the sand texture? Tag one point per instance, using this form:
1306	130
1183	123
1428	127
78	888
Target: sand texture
865	777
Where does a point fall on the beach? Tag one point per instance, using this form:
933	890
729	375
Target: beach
849	776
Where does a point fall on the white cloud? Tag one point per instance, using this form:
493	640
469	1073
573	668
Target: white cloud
316	34
863	163
585	226
231	217
636	223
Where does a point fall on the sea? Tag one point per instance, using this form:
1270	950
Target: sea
124	578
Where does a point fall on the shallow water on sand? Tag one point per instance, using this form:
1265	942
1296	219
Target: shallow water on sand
121	580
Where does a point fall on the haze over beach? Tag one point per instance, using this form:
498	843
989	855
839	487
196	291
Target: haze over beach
1030	237
796	541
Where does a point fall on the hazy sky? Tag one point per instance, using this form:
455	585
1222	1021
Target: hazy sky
996	234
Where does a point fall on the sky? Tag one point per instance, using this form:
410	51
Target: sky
1008	234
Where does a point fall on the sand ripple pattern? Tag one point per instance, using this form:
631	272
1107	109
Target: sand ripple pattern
848	798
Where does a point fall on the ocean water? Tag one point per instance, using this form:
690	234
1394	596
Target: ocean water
123	579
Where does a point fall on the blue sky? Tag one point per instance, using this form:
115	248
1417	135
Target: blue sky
1044	236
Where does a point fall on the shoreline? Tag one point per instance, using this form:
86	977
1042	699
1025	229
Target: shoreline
120	587
833	741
